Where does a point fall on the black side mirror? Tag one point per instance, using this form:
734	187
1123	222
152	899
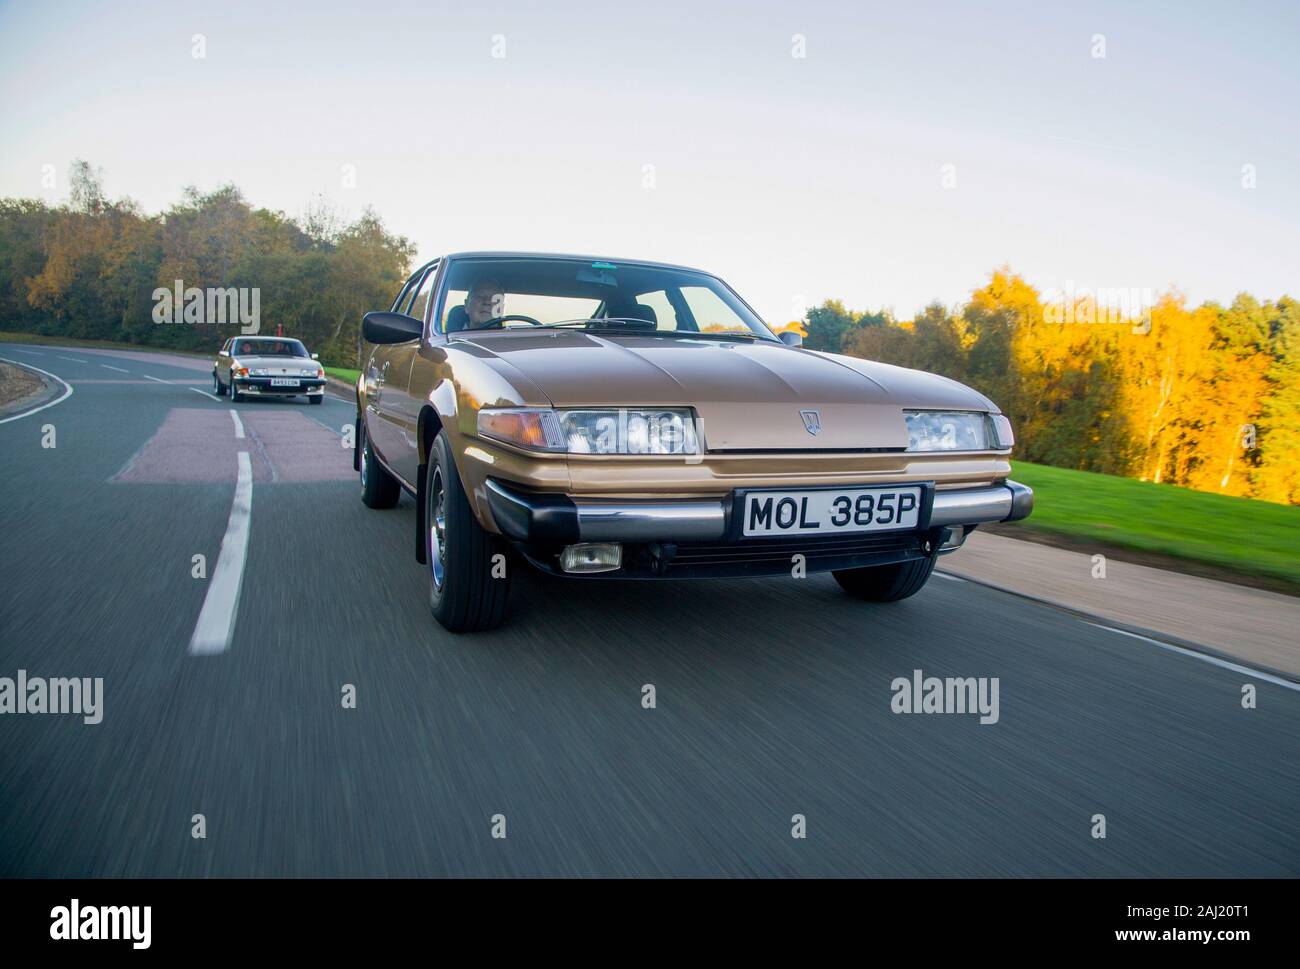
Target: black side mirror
390	328
791	338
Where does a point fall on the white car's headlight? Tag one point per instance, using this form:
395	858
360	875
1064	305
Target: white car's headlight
932	430
622	431
258	372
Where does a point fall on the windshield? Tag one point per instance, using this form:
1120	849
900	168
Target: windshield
269	348
535	292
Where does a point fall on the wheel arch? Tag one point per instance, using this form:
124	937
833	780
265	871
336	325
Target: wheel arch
441	405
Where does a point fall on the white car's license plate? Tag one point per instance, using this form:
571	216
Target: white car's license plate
831	512
283	382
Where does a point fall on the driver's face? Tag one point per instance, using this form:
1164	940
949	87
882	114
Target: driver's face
485	302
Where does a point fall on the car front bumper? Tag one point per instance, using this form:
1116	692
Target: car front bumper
556	519
262	385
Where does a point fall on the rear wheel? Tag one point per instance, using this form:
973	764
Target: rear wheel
886	583
468	576
379	489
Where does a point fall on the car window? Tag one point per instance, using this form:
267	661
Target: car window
565	291
271	348
711	314
404	296
420	301
663	310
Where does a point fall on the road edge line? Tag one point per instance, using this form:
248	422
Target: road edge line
1115	625
67	391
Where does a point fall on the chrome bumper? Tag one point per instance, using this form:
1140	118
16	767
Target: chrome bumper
549	518
1007	502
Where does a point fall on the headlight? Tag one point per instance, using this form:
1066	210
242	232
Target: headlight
629	431
932	430
623	431
258	372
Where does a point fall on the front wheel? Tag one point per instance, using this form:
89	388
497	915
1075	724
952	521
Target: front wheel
235	395
217	389
886	583
379	489
469	578
315	398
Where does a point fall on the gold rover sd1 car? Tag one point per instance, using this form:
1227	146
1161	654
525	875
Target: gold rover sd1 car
607	418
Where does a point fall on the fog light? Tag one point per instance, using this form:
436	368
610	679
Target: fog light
592	557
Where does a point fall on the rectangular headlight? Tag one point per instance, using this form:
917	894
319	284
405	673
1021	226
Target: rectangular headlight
629	431
932	430
609	431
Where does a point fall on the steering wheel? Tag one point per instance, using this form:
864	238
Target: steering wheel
497	321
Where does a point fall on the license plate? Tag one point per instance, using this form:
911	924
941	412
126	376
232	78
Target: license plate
283	382
831	512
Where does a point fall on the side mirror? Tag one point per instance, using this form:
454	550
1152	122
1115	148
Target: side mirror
790	338
222	353
390	328
315	356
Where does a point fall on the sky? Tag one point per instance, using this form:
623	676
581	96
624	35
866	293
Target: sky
884	154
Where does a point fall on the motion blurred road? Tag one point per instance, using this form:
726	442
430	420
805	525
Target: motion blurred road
773	695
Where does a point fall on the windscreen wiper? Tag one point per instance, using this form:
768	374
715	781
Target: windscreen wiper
705	335
609	322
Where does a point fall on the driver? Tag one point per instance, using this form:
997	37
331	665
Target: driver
485	301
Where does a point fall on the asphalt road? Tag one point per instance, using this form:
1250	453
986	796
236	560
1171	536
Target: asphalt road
773	696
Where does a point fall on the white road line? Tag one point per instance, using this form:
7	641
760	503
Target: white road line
30	353
221	605
73	359
239	425
154	379
1204	657
118	369
950	578
206	394
67	391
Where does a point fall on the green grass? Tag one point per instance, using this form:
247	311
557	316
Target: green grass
1240	534
343	373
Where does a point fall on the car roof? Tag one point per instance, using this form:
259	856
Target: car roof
504	254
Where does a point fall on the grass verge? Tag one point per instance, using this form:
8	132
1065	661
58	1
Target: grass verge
1240	535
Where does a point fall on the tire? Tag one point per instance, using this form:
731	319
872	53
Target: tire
463	594
217	388
315	398
886	583
235	396
379	489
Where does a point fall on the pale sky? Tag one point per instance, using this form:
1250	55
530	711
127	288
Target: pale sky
794	178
